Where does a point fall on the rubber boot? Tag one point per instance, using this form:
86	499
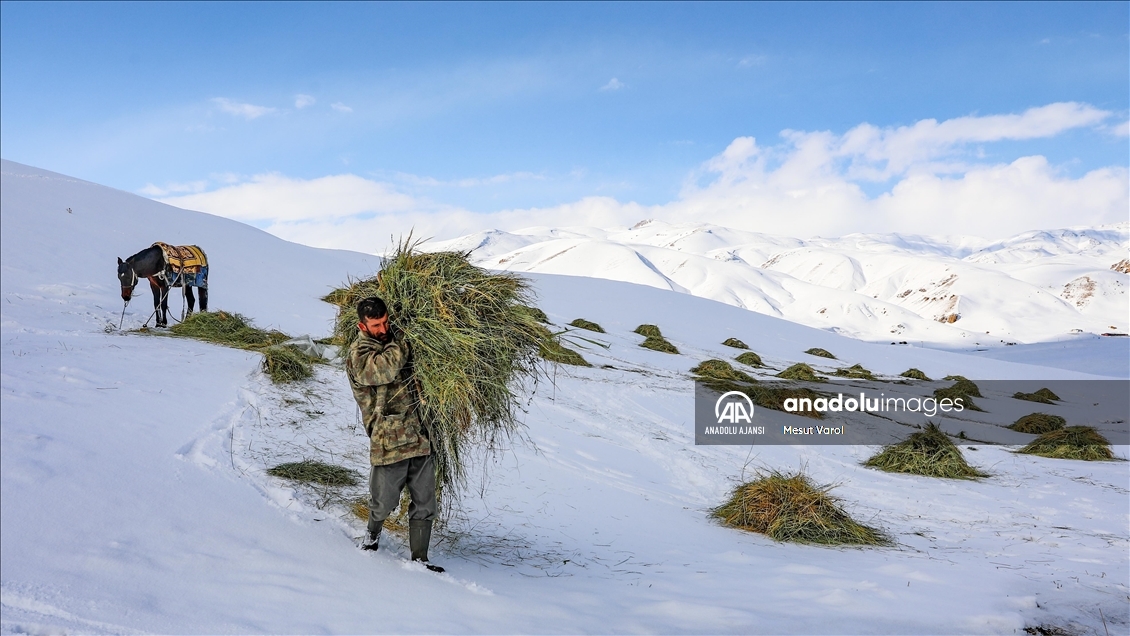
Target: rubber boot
419	537
372	540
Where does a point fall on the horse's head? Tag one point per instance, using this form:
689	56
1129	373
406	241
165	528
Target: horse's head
128	279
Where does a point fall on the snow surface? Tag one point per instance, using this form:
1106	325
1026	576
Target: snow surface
1035	287
134	495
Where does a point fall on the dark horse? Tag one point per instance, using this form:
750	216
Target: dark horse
151	263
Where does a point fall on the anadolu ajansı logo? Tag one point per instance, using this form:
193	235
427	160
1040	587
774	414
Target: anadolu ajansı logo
733	407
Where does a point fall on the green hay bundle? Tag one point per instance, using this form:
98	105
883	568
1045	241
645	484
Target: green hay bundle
800	371
1043	396
1072	442
552	350
227	328
315	472
581	323
659	344
823	353
854	371
286	364
473	340
1038	424
722	370
790	508
914	374
654	340
735	343
750	359
929	453
963	389
964	385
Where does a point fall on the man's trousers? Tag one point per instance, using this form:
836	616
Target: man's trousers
386	483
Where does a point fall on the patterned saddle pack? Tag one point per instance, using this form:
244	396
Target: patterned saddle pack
184	265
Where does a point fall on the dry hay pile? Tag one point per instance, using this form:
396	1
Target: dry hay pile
315	472
963	389
1043	396
914	374
750	359
581	323
1038	423
474	342
654	340
735	343
722	370
227	328
800	371
928	452
282	363
1073	442
823	353
790	508
855	371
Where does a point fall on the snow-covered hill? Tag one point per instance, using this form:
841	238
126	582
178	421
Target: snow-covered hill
134	498
952	291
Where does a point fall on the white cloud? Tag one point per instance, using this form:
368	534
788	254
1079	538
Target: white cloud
1121	130
469	182
302	101
151	190
341	108
811	183
613	85
247	111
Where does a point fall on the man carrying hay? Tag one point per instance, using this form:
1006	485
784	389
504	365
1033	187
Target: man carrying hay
380	372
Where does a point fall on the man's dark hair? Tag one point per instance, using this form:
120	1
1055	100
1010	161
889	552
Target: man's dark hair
371	307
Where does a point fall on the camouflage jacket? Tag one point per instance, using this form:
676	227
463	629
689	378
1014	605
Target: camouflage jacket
382	382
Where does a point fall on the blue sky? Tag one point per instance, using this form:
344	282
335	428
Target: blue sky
463	111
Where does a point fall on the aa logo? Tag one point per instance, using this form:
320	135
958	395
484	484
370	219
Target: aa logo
734	407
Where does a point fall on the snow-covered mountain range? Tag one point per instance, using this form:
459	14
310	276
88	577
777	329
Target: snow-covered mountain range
134	495
940	291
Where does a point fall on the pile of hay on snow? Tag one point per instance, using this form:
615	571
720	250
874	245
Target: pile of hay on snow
855	371
823	353
314	472
928	452
963	389
750	359
1072	442
735	343
227	328
474	344
914	374
1043	396
654	340
581	323
284	363
790	508
553	351
1038	423
722	370
800	371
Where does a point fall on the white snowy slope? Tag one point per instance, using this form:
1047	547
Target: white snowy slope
133	493
952	291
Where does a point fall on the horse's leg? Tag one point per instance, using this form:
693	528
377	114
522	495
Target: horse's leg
165	304
191	299
155	287
204	298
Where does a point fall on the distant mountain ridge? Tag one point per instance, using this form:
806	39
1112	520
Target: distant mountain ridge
1036	286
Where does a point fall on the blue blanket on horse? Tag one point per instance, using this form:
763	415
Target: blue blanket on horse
197	279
